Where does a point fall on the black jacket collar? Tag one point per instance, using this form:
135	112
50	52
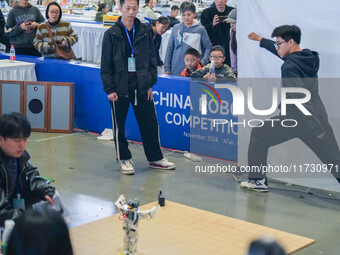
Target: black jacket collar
4	159
118	27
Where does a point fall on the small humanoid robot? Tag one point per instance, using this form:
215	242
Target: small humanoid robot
130	215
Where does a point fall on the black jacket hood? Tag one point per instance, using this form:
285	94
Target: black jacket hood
307	60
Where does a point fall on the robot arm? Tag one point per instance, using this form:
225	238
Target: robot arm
148	214
119	202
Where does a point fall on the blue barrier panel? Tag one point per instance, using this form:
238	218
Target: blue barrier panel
176	101
212	129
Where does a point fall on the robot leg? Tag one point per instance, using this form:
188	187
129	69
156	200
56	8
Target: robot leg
133	238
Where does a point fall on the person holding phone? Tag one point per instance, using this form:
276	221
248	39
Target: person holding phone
213	20
22	24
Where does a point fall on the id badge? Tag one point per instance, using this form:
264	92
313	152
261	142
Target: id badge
19	203
131	64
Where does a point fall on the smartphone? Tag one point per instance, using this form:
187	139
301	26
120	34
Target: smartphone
222	18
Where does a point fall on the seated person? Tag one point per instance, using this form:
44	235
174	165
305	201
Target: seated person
173	14
222	72
103	9
62	30
192	62
20	183
48	234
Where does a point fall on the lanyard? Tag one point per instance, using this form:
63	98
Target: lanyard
133	36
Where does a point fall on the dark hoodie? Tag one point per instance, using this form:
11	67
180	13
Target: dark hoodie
300	69
18	37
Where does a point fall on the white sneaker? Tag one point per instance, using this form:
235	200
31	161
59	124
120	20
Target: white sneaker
162	164
126	167
255	185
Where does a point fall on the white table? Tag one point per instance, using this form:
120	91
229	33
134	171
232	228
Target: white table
90	38
19	70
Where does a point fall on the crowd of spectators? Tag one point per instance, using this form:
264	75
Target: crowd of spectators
27	30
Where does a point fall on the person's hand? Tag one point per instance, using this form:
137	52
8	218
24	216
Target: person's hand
34	25
168	72
255	37
216	20
49	199
320	136
63	43
113	97
149	95
24	26
212	78
206	76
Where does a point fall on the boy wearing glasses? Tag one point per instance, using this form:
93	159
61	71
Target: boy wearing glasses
185	35
299	70
192	62
223	72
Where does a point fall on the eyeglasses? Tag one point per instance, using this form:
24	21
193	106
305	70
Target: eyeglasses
217	57
277	44
54	12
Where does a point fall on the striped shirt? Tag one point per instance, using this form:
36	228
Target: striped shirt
61	32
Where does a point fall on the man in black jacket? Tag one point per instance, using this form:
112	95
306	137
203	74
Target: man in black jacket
299	70
213	19
128	72
20	183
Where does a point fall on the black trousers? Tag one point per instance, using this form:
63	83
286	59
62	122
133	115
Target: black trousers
266	136
145	114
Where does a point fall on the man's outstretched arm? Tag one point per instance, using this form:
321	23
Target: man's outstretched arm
264	43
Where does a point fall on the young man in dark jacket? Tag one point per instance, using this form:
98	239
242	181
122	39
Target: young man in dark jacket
213	19
299	70
20	183
128	72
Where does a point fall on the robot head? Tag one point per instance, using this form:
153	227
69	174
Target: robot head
133	204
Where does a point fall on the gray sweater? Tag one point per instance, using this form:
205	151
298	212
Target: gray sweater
183	38
18	15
